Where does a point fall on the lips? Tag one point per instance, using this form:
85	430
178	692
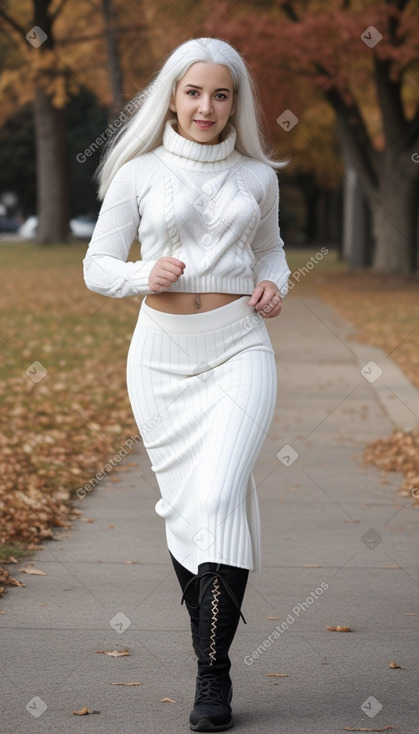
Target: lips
204	124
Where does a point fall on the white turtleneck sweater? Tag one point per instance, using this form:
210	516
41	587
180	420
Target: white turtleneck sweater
207	205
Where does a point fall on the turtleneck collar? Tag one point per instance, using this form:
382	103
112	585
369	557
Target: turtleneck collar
199	152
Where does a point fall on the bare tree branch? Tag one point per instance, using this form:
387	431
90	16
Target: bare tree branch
58	10
290	11
13	23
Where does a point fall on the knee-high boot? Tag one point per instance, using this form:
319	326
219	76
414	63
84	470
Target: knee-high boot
190	596
221	592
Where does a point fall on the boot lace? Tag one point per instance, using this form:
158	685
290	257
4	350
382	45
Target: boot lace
212	576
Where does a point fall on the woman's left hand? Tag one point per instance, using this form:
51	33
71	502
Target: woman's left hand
266	299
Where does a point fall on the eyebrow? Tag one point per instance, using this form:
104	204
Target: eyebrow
221	89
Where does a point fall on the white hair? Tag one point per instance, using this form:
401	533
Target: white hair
143	131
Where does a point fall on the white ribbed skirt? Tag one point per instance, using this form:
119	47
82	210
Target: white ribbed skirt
203	389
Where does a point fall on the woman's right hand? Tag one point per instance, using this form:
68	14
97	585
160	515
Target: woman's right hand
165	272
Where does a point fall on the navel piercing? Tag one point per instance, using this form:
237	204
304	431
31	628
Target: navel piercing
198	302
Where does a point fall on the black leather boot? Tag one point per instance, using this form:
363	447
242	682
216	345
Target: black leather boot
221	592
190	596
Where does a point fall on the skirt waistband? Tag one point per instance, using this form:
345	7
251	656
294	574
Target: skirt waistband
195	323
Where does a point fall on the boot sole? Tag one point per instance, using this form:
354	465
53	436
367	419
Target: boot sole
205	724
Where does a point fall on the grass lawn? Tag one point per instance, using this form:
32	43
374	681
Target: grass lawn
69	415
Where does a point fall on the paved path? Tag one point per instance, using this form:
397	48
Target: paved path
339	548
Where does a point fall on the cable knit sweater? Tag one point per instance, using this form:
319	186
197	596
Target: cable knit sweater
207	205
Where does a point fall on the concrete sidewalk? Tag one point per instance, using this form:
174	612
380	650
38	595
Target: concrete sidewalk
339	548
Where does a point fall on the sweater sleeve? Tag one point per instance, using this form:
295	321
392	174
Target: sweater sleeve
268	245
105	266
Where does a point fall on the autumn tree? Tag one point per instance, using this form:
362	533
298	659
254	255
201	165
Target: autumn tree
55	49
36	41
362	58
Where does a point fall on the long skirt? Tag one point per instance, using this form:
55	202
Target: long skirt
202	389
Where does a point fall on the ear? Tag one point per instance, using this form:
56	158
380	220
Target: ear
233	108
172	105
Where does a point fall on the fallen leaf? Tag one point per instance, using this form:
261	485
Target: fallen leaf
114	653
134	683
86	519
396	665
339	628
277	675
85	711
111	527
33	571
167	700
366	728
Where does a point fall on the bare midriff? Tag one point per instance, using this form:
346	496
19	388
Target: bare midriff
184	303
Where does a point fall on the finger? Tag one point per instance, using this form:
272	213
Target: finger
272	306
171	271
269	314
256	295
177	262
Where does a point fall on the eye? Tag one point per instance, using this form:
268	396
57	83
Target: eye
192	91
220	95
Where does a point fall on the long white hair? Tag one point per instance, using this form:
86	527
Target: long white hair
143	130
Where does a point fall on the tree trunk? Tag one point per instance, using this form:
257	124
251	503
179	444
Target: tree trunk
395	224
355	230
113	60
329	219
310	190
52	170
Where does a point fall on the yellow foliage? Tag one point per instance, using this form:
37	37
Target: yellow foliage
57	90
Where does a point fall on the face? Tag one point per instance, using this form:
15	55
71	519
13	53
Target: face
203	102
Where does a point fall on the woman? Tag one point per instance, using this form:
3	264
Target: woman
189	176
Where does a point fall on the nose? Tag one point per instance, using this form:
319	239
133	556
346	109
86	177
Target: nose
205	105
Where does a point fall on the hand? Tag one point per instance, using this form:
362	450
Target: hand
165	272
266	299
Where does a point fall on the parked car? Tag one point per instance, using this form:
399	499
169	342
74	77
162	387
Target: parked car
28	228
9	224
81	226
